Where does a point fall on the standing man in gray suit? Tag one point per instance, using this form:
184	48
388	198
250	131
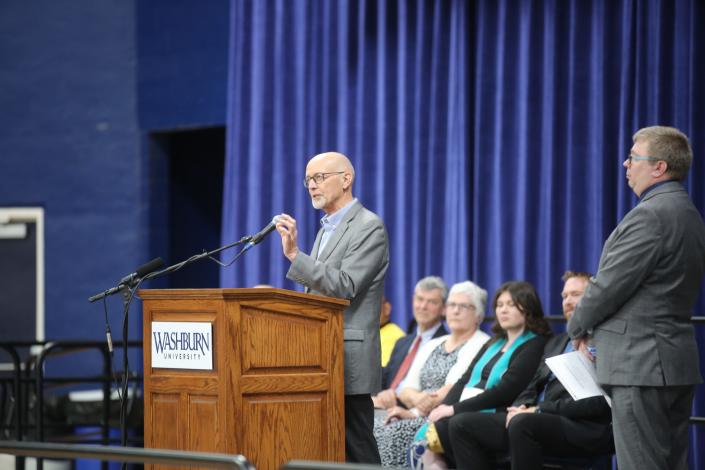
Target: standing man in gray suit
349	260
637	308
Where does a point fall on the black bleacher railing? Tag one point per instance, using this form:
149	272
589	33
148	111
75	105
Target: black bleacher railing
10	401
42	380
24	413
32	380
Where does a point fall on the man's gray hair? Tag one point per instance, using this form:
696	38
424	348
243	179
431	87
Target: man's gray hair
432	282
670	145
478	296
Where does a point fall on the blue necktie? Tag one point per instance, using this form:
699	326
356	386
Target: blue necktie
568	348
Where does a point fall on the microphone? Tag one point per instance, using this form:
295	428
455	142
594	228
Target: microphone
258	237
130	279
146	268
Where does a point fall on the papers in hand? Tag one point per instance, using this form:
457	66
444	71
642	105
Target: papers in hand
577	374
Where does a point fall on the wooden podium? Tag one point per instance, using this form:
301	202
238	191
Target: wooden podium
275	391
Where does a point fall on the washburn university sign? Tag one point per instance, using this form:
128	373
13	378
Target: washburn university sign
182	345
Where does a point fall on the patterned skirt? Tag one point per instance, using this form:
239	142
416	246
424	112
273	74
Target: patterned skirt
394	439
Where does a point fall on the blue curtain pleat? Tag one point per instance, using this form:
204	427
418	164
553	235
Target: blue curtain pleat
312	76
489	135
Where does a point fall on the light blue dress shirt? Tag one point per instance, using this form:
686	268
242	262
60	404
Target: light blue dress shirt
331	222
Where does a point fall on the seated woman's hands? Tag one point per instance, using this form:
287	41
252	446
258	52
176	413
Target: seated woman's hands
440	412
428	402
410	397
385	399
397	412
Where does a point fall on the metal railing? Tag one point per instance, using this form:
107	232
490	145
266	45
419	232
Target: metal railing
14	409
105	379
29	381
125	454
23	405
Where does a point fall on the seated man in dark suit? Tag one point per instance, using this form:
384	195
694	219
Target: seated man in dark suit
544	420
429	305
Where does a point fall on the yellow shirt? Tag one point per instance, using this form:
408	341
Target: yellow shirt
388	335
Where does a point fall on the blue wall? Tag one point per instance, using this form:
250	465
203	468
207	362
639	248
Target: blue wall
68	142
182	85
76	80
182	62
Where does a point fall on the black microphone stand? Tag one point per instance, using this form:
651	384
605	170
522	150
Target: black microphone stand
128	292
200	256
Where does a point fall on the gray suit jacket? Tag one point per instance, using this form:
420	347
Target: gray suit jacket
638	306
352	266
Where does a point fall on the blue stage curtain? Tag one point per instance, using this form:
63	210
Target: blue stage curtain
383	82
489	135
558	89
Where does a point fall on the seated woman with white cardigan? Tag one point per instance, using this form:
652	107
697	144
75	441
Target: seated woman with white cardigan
438	365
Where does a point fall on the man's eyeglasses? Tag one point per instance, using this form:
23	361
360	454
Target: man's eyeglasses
637	158
463	307
318	178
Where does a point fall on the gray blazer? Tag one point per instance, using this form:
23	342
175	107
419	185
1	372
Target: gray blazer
638	306
352	266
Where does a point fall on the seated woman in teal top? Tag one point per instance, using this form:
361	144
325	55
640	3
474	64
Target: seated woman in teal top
501	370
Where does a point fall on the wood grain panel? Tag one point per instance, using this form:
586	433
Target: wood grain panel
165	411
267	345
184	382
279	428
285	383
301	310
204	424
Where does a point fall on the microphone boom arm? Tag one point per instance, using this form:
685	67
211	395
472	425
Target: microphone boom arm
151	275
194	258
